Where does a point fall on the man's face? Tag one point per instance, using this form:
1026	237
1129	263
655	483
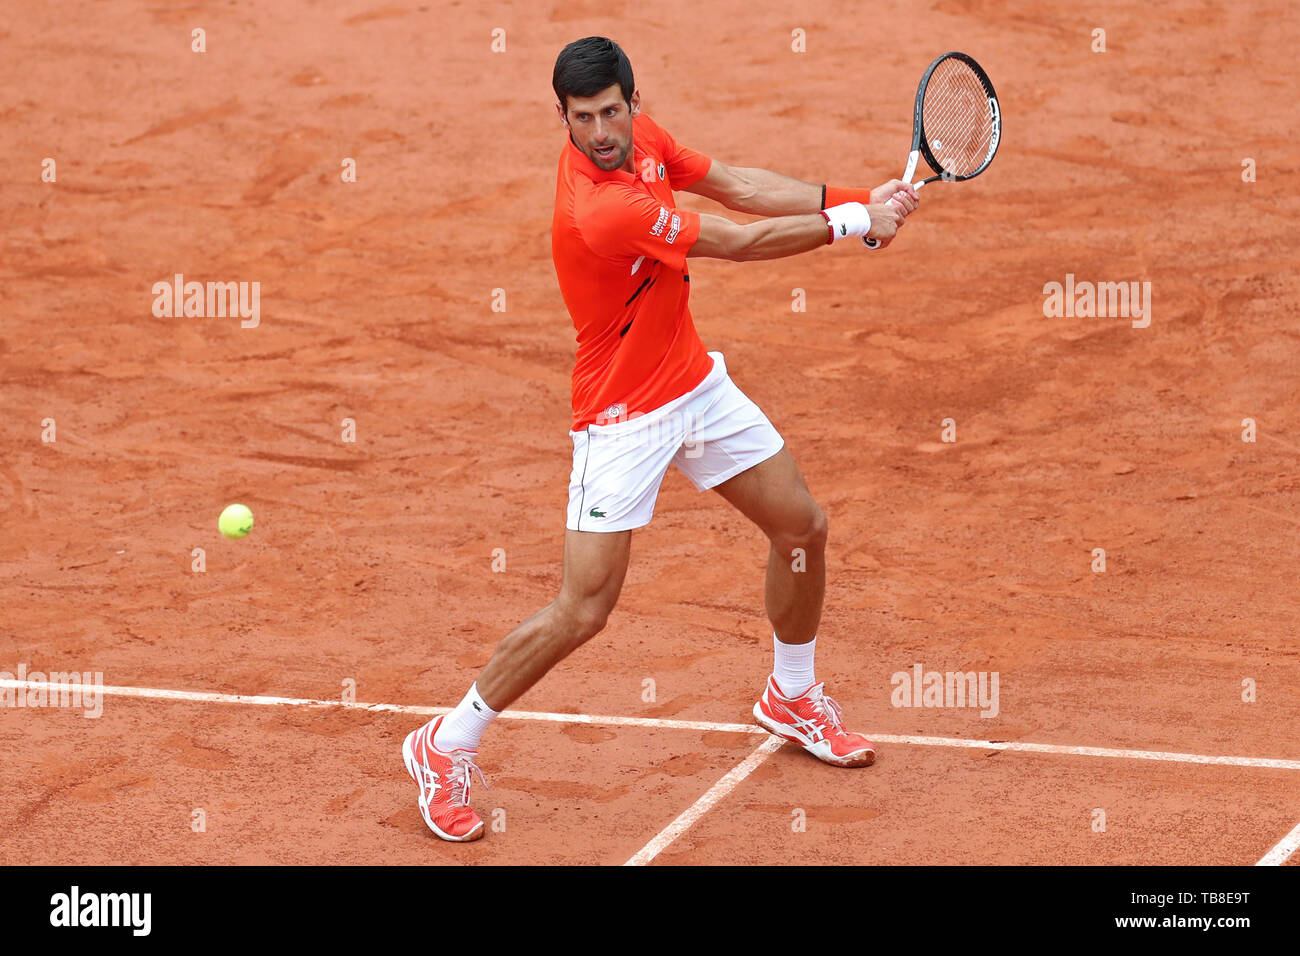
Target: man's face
601	126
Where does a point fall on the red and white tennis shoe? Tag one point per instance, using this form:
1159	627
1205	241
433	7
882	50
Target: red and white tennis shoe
444	780
816	723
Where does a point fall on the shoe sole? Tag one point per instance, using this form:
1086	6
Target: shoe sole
408	758
862	758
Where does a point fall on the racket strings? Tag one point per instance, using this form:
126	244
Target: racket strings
960	139
958	122
960	105
959	132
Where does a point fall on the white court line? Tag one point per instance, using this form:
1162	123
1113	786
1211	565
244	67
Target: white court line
1282	852
1025	746
706	803
705	725
209	697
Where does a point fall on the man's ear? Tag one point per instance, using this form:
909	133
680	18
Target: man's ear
635	103
564	116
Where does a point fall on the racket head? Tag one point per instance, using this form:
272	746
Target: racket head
957	124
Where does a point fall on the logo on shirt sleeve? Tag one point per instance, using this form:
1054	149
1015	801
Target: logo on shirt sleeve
676	228
658	228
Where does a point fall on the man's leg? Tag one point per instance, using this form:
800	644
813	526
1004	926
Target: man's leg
594	567
439	756
773	495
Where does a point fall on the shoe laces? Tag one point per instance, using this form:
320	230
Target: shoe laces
827	708
463	769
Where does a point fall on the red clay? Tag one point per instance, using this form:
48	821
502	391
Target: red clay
372	561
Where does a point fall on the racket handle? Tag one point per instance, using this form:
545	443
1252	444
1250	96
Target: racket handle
870	241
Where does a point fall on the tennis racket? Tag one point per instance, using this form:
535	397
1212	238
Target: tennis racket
957	123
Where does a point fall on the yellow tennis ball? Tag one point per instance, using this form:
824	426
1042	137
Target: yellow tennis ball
236	521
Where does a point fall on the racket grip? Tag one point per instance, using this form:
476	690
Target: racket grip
871	242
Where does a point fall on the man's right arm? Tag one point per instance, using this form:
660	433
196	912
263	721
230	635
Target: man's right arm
780	236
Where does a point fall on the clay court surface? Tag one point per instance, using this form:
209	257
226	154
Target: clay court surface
372	561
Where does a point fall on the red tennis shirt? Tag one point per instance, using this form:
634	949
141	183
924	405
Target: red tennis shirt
619	245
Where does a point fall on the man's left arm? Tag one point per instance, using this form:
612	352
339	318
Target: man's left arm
761	192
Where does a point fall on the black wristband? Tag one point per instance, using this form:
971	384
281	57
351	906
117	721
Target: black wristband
823	197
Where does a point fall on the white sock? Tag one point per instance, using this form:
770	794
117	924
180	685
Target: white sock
793	670
463	727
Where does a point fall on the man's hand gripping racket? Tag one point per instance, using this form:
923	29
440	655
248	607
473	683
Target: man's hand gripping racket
956	126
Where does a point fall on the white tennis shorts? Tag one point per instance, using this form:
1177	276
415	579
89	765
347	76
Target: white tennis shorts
712	433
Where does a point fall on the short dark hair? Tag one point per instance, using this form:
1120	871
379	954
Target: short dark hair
587	66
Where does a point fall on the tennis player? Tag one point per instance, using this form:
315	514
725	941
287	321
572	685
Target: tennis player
646	394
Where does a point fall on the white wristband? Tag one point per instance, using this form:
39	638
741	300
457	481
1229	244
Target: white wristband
848	219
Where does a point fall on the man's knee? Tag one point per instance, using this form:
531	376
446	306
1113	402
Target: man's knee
584	617
807	532
591	619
